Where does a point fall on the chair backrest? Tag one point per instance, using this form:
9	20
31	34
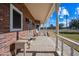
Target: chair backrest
30	34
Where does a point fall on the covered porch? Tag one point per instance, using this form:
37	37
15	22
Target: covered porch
44	44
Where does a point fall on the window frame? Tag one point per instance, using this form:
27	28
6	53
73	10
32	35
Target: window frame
12	7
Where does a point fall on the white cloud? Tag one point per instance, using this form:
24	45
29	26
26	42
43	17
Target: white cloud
62	11
65	12
68	21
72	17
75	17
61	16
59	8
77	10
59	12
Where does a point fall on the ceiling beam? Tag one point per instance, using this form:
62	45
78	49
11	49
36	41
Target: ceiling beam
52	8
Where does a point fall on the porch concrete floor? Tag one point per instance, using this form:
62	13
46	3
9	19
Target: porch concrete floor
41	46
45	46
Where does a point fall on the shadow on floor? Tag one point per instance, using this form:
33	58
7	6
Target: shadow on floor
12	49
34	52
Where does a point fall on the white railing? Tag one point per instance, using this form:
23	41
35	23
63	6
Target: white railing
72	44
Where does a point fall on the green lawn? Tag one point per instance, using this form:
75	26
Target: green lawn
74	37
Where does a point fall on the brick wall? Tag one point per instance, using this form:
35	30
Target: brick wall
4	18
8	38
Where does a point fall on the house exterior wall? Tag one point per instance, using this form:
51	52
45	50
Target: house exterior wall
8	38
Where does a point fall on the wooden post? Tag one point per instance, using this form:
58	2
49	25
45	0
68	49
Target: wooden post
62	48
57	26
17	38
46	30
72	51
25	49
17	35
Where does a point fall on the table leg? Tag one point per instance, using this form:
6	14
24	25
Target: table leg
15	51
24	49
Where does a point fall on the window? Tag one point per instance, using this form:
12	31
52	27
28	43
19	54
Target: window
16	19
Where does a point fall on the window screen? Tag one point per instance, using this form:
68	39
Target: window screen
16	19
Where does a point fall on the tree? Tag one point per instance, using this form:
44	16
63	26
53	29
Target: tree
74	24
61	25
51	26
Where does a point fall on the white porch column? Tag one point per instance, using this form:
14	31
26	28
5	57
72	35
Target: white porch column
57	25
39	27
46	28
43	25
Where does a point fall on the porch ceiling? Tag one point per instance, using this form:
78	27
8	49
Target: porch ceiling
40	11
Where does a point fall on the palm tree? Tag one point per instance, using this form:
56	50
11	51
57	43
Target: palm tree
65	13
74	24
66	20
61	25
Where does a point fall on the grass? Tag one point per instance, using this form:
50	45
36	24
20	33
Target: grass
71	35
74	37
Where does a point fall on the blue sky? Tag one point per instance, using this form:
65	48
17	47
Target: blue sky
71	10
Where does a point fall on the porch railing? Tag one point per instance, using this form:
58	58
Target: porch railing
72	44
